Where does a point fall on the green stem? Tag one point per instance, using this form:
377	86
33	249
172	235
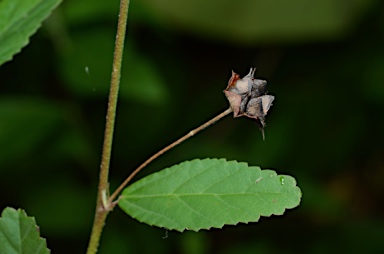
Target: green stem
102	207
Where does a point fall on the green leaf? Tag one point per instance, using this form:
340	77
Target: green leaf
25	125
201	194
251	21
77	12
19	19
20	234
86	69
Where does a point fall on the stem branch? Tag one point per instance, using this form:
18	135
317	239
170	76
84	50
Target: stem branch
103	189
165	149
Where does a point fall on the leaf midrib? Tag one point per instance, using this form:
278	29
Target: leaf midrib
197	194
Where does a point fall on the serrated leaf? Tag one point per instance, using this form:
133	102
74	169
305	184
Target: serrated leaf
19	19
202	194
20	234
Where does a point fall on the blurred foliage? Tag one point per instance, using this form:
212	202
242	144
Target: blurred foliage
323	61
259	20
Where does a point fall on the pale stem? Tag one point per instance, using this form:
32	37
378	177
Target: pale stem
190	134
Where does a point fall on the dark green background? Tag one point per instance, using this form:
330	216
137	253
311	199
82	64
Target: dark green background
323	59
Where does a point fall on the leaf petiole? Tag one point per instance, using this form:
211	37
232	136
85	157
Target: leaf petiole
165	149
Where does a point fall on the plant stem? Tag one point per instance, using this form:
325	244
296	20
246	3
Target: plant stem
103	208
165	149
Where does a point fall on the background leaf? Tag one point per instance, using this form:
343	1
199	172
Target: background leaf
201	194
19	19
20	234
32	120
253	20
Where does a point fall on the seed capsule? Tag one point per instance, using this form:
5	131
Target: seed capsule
248	97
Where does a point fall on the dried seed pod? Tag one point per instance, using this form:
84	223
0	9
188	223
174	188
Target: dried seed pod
259	88
234	100
244	85
258	108
266	101
235	77
255	108
248	96
238	91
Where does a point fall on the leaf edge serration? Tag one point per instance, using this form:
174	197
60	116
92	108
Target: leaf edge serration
29	34
40	241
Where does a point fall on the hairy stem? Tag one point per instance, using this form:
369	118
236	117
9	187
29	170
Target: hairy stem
103	208
165	149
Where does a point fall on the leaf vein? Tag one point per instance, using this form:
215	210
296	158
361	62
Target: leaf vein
194	210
